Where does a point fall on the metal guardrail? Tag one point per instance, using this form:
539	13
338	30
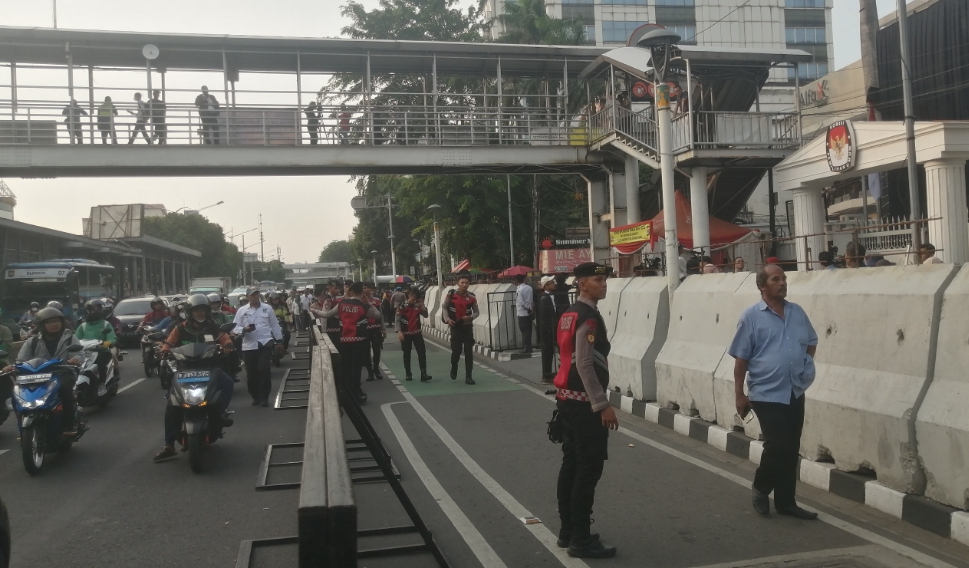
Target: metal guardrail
49	123
764	130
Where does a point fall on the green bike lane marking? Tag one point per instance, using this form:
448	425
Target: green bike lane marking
439	367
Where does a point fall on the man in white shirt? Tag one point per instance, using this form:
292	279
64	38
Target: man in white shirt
261	333
305	300
524	308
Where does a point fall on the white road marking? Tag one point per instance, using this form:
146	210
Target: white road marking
831	520
3	452
517	510
476	542
126	387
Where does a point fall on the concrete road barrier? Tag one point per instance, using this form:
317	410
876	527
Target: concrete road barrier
703	320
942	423
876	328
497	326
609	306
642	319
432	300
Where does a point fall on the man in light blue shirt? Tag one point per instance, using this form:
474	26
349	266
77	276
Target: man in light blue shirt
524	308
774	350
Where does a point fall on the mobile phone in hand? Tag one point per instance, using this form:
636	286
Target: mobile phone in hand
252	327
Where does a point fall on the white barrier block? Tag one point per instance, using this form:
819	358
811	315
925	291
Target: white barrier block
717	437
816	474
942	424
652	413
626	404
432	301
642	318
703	320
874	328
681	424
609	306
883	498
960	527
756	451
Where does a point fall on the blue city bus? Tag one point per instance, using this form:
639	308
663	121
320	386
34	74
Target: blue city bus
70	281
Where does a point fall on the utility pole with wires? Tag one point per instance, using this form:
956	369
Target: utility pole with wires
913	177
55	14
262	246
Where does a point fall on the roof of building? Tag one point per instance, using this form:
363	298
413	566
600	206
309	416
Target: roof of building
148	240
78	241
279	54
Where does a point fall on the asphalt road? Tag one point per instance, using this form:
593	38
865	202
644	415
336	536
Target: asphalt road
106	504
473	459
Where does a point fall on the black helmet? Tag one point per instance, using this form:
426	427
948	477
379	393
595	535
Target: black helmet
274	296
56	305
196	301
94	309
108	306
215	297
47	314
180	310
157	300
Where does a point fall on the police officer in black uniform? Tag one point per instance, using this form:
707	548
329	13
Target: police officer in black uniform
584	411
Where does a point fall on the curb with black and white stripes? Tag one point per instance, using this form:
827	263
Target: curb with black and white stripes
504	356
922	512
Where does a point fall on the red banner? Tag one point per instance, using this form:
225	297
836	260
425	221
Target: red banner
562	260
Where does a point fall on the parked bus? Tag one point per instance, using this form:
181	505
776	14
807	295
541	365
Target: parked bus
70	281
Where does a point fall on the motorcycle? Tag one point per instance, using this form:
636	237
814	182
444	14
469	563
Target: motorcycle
194	391
90	390
40	413
151	342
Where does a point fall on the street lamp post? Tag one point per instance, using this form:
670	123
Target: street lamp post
202	209
437	245
374	253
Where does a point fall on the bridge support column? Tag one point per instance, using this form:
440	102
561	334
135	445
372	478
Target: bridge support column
700	211
633	213
945	192
809	216
617	198
598	188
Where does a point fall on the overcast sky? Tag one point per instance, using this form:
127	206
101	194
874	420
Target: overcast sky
300	214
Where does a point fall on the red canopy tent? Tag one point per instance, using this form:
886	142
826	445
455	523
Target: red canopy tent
721	232
515	271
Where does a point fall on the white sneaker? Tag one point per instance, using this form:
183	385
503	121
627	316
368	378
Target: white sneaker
102	390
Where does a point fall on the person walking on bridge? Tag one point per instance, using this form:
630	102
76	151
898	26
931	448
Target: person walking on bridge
106	113
141	120
774	351
208	107
158	111
584	412
460	309
74	112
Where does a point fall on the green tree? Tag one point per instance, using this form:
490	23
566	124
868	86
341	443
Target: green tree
219	257
272	270
336	251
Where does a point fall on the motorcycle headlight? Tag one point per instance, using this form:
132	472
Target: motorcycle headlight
194	396
31	404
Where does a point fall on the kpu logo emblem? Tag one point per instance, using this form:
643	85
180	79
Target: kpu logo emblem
841	146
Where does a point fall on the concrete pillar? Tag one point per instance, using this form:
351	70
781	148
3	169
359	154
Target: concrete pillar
945	193
617	198
633	214
598	188
164	281
144	274
809	217
700	210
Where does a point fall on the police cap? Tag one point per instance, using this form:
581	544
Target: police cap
592	269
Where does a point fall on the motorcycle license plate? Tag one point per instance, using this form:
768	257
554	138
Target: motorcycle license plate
192	376
34	379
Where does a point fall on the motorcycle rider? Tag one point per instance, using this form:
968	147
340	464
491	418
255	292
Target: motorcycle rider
282	314
220	317
96	327
158	313
50	342
30	315
176	317
199	327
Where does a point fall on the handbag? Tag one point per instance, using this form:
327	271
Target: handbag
554	429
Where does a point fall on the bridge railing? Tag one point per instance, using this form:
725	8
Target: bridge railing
46	123
752	130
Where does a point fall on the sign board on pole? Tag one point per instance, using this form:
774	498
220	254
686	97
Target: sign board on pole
116	221
250	257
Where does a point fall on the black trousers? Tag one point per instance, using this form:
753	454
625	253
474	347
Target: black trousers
525	325
548	355
417	341
161	130
462	337
781	425
139	127
356	354
376	345
210	128
313	127
584	451
259	371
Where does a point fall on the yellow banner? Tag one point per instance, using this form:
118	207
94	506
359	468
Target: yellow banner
636	233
